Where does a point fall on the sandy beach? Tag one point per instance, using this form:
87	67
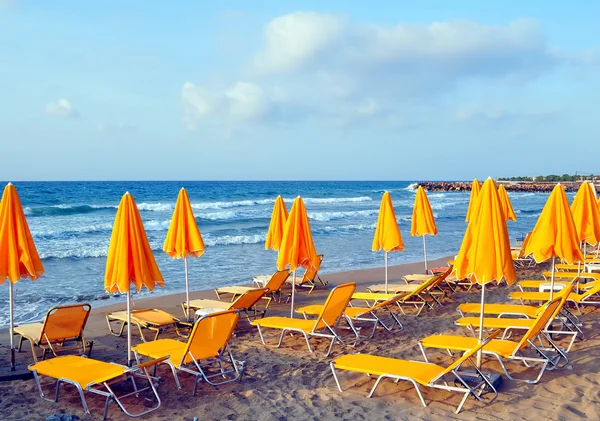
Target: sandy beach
291	383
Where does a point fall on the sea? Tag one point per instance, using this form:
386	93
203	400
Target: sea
71	223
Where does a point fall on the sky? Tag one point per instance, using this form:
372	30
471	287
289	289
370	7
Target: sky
297	90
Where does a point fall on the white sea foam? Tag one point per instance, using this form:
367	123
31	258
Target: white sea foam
154	225
335	199
330	216
227	240
412	187
87	229
155	207
351	227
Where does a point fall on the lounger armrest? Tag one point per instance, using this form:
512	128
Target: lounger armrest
149	364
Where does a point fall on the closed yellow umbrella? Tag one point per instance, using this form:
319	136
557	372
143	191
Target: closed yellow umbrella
183	238
130	259
277	225
507	208
586	217
297	247
18	256
554	234
472	198
423	221
484	254
387	234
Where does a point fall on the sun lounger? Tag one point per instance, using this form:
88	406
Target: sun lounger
274	286
205	354
418	296
524	351
588	296
87	374
155	320
518	254
325	326
62	325
246	304
363	314
509	325
416	372
311	275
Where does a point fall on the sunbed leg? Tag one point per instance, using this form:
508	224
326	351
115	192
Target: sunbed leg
375	385
308	344
462	401
418	389
330	346
174	374
262	339
106	404
335	376
423	352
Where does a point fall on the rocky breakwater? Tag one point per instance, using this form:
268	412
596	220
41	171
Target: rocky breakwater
518	186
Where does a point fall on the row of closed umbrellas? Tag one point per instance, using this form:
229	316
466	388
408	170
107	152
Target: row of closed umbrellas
484	255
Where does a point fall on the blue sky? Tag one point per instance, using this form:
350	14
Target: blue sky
297	90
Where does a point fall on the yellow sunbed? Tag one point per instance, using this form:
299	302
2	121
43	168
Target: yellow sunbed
208	342
62	324
274	286
362	314
246	303
508	349
96	377
323	327
586	297
158	321
512	324
416	372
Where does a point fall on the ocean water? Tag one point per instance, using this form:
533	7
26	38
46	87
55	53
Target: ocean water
71	223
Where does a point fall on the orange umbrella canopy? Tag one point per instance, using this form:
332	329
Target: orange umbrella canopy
586	215
554	233
277	225
423	221
507	208
18	256
297	247
472	199
484	255
130	258
387	234
183	238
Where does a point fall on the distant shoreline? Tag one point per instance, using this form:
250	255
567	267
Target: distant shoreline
515	186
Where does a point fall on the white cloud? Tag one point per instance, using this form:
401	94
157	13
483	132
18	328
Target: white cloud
316	65
61	108
242	102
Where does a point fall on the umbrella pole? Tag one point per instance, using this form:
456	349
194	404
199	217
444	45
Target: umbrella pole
386	272
425	252
579	263
187	290
479	353
293	289
12	341
129	327
552	279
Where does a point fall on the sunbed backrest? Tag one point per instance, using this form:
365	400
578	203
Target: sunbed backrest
277	280
249	298
65	322
469	354
540	322
210	334
424	286
336	303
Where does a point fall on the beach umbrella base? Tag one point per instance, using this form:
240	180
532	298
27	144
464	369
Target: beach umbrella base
19	372
472	378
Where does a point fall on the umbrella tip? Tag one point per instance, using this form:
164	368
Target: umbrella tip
9	184
489	178
126	192
183	188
